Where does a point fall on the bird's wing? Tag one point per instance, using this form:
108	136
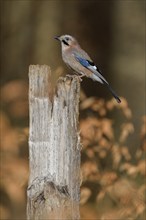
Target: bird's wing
91	66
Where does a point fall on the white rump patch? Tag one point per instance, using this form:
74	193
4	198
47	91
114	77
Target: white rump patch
94	67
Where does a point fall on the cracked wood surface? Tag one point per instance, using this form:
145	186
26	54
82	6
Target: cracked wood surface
54	147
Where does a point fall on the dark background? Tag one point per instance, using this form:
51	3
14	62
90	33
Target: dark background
112	32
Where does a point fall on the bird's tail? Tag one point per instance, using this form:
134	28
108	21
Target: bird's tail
98	77
113	92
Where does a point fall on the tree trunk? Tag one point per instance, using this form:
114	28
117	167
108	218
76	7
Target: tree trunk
54	147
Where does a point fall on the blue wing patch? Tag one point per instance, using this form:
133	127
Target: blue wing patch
83	61
91	66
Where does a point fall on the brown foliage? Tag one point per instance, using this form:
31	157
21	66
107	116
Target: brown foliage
107	162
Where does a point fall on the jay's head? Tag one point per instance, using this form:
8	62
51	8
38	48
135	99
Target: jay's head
67	41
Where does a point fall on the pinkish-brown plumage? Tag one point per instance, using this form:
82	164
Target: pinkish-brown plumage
80	62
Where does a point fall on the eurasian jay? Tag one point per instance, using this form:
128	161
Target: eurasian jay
80	62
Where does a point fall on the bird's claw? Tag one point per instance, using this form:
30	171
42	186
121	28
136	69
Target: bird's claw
73	76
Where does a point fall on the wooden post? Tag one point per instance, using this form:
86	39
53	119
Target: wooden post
54	147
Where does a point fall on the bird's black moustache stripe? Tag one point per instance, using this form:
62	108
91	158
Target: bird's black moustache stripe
65	42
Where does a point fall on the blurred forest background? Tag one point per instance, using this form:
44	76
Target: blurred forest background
113	135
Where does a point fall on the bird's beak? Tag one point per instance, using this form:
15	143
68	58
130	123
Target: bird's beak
57	38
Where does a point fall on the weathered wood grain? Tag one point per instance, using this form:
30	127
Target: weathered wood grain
54	147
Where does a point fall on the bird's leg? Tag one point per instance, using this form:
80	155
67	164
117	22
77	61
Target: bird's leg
80	77
75	75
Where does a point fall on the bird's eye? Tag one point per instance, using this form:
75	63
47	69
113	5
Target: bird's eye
67	38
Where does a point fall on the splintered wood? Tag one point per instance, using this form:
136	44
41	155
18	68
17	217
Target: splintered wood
54	147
